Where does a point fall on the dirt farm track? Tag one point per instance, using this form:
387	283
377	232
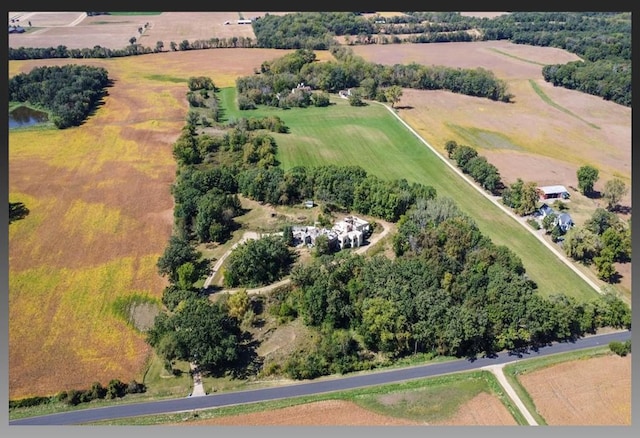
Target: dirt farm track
101	209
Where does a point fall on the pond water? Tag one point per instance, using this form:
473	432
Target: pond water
23	116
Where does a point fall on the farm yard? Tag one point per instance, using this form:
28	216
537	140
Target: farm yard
101	212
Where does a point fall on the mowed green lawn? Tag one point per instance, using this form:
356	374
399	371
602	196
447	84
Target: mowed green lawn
372	138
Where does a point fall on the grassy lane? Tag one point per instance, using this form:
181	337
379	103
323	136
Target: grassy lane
370	137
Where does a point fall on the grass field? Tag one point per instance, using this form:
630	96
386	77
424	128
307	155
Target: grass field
370	137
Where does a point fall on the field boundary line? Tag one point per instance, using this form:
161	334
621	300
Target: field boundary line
494	200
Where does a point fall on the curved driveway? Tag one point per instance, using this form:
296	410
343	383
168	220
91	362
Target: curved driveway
313	387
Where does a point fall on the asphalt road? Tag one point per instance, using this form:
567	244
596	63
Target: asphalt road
313	387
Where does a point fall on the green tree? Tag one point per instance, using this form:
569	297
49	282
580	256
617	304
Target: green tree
207	335
187	276
320	99
600	221
287	234
393	94
355	98
616	241
528	199
258	262
321	246
604	265
450	147
178	252
383	327
587	177
581	244
548	222
238	304
464	154
614	190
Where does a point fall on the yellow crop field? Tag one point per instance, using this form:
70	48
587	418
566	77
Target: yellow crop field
100	215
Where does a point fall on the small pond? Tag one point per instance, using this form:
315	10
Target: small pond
23	116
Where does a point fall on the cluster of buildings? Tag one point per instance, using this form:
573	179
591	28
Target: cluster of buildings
347	233
563	220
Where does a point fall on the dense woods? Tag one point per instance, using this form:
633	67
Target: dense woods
294	80
70	92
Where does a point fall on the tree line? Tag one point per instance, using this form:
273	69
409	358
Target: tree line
69	92
132	49
601	39
283	76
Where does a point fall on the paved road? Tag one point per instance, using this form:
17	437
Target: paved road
313	387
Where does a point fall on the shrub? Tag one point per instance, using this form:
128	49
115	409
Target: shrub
28	402
620	348
534	224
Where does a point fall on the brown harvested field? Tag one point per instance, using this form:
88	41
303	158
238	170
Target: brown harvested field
75	30
482	410
528	138
593	392
100	214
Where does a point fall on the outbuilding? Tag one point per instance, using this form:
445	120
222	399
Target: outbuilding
552	192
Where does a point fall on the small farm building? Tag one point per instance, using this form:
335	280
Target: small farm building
552	192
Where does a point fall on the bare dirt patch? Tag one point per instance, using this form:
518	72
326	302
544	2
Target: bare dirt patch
589	392
482	410
323	413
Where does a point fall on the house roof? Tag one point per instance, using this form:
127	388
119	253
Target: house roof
564	218
553	189
546	209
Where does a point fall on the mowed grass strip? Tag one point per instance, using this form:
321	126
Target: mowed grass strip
548	100
372	138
